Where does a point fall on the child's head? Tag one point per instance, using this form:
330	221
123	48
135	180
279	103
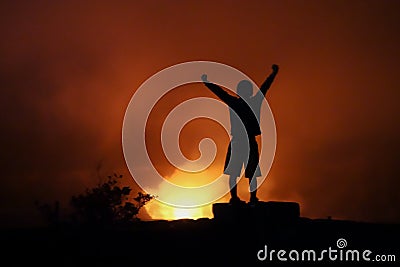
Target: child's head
244	89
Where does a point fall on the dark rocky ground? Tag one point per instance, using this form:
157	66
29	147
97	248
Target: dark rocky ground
224	241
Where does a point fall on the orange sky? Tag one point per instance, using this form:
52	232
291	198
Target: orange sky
68	71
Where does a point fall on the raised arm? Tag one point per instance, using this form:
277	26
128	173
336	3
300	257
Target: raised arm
267	83
218	91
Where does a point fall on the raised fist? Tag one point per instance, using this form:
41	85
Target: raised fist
275	67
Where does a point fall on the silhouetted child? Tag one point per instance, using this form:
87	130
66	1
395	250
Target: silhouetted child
244	116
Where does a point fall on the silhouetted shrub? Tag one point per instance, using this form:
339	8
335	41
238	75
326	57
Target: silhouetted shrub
51	213
108	203
105	204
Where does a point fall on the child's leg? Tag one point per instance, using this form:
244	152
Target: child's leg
253	188
253	169
233	166
233	186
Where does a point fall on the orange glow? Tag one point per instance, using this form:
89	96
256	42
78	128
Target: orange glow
187	213
161	211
